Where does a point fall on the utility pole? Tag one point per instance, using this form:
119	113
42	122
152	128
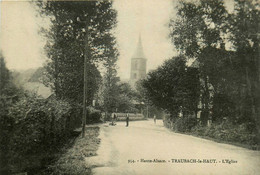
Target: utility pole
86	50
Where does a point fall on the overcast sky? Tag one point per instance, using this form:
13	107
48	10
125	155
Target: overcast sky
22	46
148	18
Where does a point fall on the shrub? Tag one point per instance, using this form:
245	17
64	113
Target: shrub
167	121
228	132
94	115
184	124
38	128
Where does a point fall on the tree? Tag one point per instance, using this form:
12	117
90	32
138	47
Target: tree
198	30
226	46
126	98
8	93
67	40
110	80
117	96
143	98
173	87
245	41
4	75
110	91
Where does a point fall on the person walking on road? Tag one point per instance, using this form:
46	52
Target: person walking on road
127	120
154	119
113	117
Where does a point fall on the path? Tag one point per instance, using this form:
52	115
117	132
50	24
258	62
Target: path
123	148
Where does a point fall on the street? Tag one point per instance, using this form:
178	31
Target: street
148	148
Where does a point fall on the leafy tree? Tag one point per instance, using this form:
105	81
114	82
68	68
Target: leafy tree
8	95
4	74
245	40
199	29
226	46
141	93
173	87
66	46
126	98
110	91
117	96
110	82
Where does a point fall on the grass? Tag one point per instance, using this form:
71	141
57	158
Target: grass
72	162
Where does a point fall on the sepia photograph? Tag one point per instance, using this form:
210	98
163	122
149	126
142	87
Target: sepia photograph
129	87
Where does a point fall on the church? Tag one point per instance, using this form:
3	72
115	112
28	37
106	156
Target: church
138	64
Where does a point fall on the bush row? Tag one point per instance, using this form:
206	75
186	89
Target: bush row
229	132
35	129
94	116
241	134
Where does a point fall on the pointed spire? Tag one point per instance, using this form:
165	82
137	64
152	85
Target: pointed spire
139	53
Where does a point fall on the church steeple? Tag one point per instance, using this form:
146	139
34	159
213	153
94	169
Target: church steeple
139	53
138	64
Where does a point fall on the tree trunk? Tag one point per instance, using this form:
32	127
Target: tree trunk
205	110
249	90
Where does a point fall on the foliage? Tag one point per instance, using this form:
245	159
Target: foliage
226	46
228	132
73	160
184	124
141	93
117	96
180	124
94	115
198	33
33	125
8	94
4	74
173	87
109	91
37	75
69	41
126	98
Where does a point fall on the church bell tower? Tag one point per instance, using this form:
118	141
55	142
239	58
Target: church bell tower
138	64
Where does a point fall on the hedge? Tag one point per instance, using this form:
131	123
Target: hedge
35	129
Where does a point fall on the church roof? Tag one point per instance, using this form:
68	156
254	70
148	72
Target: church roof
139	53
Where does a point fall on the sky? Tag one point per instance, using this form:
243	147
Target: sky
149	19
22	45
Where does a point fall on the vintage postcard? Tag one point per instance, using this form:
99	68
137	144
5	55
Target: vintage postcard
130	87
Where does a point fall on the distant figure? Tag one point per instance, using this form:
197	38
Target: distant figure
116	117
127	120
113	119
154	119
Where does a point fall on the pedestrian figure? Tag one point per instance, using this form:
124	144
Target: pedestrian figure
127	120
154	119
114	119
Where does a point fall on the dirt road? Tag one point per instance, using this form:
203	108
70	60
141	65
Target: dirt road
145	148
